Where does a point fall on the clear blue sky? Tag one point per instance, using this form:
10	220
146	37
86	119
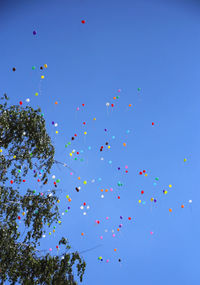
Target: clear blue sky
148	44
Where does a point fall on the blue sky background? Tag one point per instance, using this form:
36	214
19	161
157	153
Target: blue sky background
153	45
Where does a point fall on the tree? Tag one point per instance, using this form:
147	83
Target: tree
24	144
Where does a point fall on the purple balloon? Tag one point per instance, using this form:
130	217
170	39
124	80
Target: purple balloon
34	33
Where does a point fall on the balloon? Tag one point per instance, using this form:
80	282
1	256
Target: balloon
83	21
34	33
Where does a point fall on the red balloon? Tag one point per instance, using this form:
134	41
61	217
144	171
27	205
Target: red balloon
83	21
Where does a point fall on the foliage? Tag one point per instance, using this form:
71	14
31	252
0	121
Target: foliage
26	144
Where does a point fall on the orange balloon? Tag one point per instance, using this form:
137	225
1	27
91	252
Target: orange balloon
115	249
101	190
130	105
124	144
56	102
170	210
82	234
182	206
69	199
